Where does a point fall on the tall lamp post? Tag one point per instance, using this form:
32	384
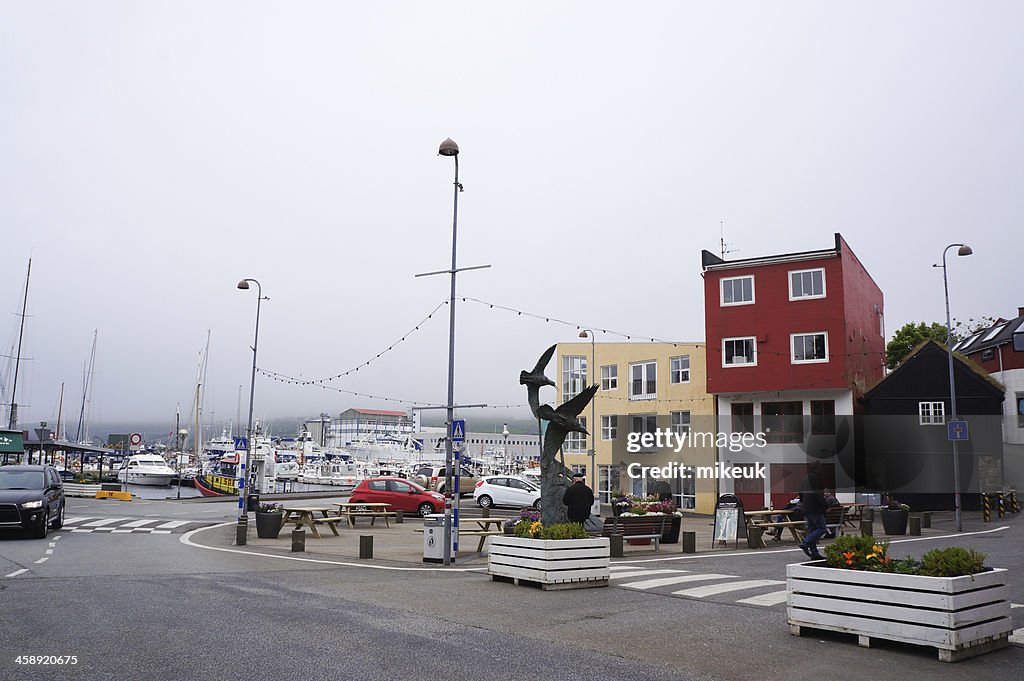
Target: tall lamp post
450	148
593	425
508	457
243	495
961	251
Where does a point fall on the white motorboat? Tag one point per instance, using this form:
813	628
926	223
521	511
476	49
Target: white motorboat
146	469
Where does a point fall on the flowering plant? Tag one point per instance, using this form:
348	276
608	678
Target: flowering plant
270	508
894	505
647	505
859	553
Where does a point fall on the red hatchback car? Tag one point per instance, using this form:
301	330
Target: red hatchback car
401	494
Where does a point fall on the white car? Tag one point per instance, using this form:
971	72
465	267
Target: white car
506	490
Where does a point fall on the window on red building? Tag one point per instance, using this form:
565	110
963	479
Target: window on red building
810	347
739	351
807	284
783	422
738	290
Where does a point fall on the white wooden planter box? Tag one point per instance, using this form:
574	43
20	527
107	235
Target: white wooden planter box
960	616
553	564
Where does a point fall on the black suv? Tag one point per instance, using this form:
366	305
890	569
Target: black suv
31	497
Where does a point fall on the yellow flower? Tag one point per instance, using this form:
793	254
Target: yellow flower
870	556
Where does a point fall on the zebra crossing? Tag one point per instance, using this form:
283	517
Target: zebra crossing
85	525
665	580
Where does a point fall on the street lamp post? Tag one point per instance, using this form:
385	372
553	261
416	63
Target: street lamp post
508	457
963	250
593	425
243	501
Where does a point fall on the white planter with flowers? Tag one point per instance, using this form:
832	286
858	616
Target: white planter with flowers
550	563
960	616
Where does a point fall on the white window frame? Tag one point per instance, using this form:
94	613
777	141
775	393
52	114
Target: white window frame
643	419
792	347
676	370
576	441
574	375
813	295
752	339
646	394
931	413
680	423
609	428
721	291
610	377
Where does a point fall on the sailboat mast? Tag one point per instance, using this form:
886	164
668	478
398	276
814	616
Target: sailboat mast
60	411
86	380
13	420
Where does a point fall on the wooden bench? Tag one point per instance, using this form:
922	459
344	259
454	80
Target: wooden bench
372	515
796	528
483	534
637	527
834	518
331	522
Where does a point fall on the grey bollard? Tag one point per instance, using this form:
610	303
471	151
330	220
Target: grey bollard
399	517
241	530
689	541
616	545
868	515
866	529
366	546
926	519
915	525
298	540
486	513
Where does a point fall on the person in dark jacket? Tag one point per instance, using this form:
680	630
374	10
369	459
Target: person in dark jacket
578	498
812	499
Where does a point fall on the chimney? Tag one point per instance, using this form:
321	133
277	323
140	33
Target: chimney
1020	311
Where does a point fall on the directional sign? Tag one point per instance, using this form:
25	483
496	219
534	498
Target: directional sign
458	430
957	431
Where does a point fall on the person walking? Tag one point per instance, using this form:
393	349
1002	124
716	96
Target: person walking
812	499
578	498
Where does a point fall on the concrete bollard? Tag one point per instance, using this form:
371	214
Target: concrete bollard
485	513
866	528
868	514
755	537
689	541
926	519
366	546
399	517
616	545
241	530
915	525
298	540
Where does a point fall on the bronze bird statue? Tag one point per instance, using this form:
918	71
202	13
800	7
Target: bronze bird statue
563	420
535	380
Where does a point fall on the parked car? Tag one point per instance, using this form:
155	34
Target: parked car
506	490
434	478
31	497
403	495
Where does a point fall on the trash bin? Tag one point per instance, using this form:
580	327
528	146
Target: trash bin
254	502
433	538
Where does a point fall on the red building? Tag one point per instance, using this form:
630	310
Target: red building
793	341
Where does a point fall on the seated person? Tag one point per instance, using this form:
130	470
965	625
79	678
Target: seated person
797	514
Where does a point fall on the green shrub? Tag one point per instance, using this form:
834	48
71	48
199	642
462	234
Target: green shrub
535	530
954	561
854	552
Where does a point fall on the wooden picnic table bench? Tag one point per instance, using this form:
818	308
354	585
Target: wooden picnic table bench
483	534
636	527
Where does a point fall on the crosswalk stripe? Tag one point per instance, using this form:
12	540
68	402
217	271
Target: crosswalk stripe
665	581
641	573
1017	636
715	589
120	532
105	521
1017	605
171	525
76	519
160	532
773	598
17	572
140	523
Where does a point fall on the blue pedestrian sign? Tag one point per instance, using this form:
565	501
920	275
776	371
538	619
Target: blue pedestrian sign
458	430
957	431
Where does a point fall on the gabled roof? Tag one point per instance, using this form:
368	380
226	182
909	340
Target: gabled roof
1000	333
964	361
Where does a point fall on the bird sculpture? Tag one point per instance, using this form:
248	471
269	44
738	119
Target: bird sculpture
535	380
564	419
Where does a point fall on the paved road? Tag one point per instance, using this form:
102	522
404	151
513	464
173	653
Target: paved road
144	605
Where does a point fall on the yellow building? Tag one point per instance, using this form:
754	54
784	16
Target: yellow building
651	406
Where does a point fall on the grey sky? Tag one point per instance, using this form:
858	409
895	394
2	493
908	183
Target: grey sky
152	154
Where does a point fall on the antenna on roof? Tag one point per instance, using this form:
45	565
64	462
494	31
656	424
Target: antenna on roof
725	246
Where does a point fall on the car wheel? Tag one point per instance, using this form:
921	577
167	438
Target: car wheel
58	522
44	527
426	509
536	504
484	501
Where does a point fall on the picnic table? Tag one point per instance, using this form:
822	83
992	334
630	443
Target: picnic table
763	519
483	532
307	516
854	513
371	510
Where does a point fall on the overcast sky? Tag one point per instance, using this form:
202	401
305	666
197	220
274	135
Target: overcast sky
154	153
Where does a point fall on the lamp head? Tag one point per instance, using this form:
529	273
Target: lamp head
448	148
964	250
584	334
244	284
